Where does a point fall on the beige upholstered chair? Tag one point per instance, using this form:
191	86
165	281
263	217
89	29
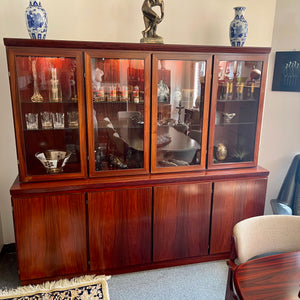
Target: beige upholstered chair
266	234
262	236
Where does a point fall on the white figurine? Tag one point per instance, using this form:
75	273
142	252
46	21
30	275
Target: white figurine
97	75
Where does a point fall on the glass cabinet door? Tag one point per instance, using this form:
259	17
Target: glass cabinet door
180	100
118	87
47	92
237	100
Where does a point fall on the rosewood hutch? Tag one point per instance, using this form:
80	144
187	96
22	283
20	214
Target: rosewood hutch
132	156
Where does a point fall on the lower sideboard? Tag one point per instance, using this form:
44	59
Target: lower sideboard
69	228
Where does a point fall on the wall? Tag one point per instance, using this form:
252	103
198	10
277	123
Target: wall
192	22
280	139
1	234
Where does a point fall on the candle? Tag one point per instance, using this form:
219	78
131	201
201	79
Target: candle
53	73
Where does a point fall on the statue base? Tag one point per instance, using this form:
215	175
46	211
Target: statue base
152	40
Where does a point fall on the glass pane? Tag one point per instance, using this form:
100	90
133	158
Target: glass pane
239	85
118	106
180	96
47	88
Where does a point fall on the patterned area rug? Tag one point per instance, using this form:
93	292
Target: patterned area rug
84	287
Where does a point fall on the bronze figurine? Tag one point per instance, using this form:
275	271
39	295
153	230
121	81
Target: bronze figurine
151	20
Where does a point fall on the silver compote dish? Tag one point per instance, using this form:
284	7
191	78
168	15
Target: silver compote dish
53	160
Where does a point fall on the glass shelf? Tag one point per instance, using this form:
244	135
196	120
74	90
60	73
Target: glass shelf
49	102
237	100
236	124
55	129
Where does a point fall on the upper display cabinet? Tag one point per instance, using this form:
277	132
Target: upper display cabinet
88	109
118	101
49	114
236	110
180	106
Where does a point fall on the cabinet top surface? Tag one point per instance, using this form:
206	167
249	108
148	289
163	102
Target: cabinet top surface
141	180
16	42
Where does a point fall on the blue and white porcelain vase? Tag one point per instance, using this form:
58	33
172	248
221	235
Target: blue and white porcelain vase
36	20
238	28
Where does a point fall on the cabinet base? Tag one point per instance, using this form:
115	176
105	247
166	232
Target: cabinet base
131	269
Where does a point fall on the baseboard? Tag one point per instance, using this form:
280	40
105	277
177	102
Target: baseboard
7	248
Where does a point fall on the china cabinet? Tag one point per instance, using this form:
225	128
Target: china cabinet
132	156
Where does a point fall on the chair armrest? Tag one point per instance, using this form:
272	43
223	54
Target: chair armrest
280	208
232	265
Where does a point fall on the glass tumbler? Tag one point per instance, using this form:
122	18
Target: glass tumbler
58	120
46	119
32	121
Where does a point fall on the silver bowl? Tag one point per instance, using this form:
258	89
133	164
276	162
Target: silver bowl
53	160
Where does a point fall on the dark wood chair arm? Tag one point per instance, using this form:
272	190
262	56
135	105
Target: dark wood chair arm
232	265
230	294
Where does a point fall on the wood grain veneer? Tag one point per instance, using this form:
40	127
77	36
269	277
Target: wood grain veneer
119	228
44	230
12	42
181	217
234	201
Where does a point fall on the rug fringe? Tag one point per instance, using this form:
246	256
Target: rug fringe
49	286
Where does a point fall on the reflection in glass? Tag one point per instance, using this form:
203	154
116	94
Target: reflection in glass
100	156
238	93
118	113
180	97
